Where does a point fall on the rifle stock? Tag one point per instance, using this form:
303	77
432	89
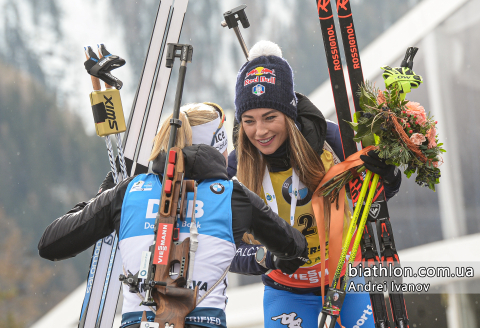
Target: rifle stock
171	258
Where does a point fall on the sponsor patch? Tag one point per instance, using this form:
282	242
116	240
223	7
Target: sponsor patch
144	262
289	320
258	90
217	188
262	79
270	197
139	186
162	245
374	210
293	102
260	71
304	196
108	240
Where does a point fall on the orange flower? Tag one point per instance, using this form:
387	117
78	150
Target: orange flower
417	111
431	133
381	98
417	138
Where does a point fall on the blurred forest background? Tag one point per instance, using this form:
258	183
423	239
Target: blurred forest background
50	158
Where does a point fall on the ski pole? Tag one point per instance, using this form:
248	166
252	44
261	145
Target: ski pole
351	228
363	220
346	244
335	297
231	20
111	157
102	51
109	119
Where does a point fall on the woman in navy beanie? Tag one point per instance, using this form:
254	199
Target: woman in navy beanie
284	148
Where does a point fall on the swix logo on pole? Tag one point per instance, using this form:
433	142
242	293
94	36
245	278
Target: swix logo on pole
162	245
110	109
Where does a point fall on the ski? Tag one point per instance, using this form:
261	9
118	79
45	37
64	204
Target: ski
380	214
101	297
339	90
152	87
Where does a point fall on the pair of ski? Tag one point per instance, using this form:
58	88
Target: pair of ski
377	211
103	286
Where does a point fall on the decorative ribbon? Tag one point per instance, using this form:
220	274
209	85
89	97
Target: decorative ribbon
336	215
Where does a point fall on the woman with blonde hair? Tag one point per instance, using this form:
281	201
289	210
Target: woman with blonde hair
282	156
224	211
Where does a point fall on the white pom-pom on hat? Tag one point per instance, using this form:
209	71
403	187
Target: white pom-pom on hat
264	48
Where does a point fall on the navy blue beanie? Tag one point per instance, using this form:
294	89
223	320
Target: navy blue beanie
265	82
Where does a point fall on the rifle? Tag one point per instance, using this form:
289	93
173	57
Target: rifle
170	297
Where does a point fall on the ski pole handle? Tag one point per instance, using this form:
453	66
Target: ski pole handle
231	20
95	80
100	55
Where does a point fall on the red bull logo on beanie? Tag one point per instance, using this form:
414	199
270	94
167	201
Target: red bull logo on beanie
263	79
260	71
258	90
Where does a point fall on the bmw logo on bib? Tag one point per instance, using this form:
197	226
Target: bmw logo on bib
217	188
304	196
258	90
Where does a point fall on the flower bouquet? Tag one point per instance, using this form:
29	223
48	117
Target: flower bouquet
403	133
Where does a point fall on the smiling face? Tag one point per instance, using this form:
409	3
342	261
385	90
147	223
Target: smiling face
265	128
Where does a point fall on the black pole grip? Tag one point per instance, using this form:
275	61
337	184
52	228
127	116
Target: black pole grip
236	14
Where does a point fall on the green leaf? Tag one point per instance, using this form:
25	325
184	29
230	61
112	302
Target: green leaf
376	127
368	140
362	132
409	173
366	98
357	116
353	125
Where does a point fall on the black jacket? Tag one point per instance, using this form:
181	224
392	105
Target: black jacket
316	130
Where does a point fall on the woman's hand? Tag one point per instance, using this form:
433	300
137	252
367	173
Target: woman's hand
290	266
107	183
389	173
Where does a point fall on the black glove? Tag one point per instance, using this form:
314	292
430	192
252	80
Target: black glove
101	67
290	266
107	183
389	173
